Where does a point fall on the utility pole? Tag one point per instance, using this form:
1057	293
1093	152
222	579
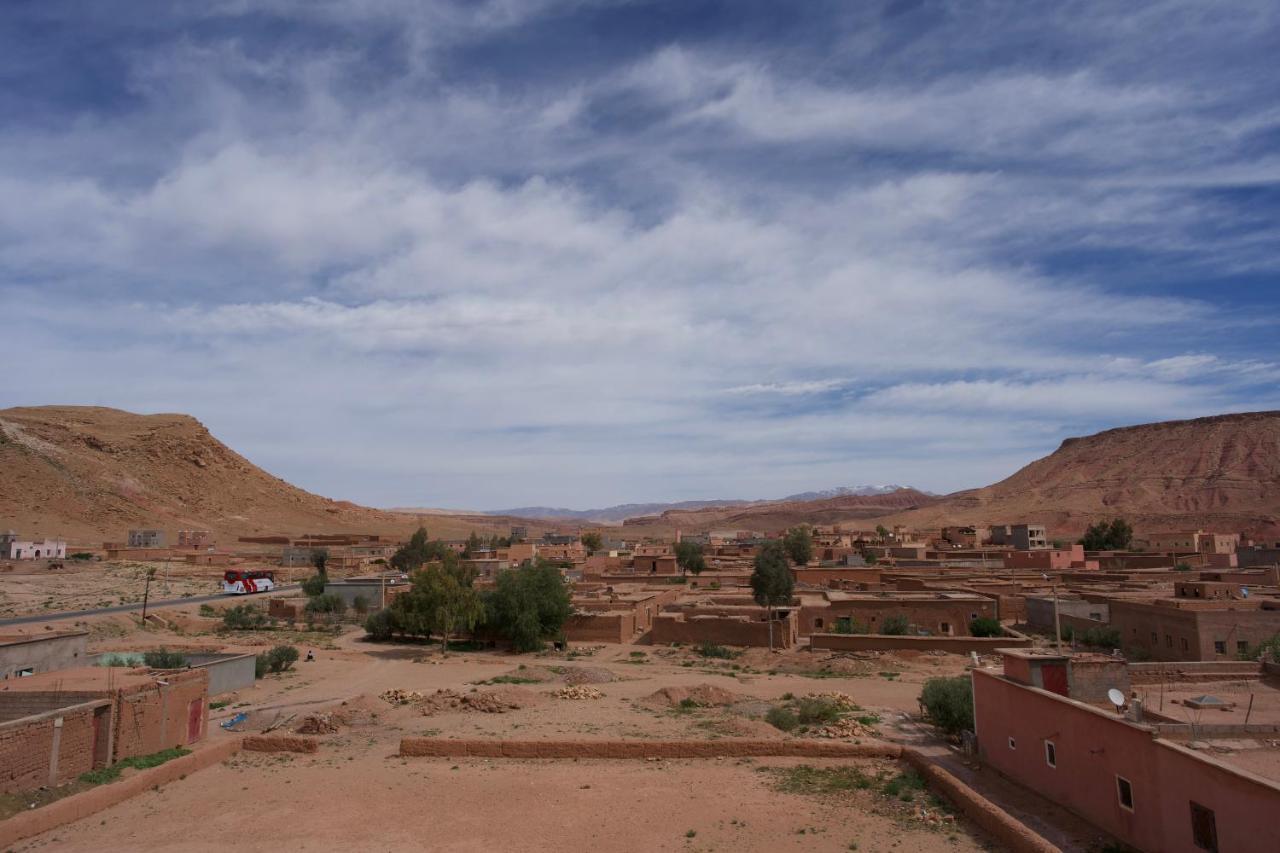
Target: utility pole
146	594
1057	621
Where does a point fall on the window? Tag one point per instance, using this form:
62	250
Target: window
1204	828
1219	647
1124	791
1168	641
25	671
1184	644
817	623
1155	638
1242	645
945	627
1050	754
1013	744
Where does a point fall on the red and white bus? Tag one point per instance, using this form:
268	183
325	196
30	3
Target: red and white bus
245	581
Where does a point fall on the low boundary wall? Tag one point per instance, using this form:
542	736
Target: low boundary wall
1011	833
105	796
728	748
895	642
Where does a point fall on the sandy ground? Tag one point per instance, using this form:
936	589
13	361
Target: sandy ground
357	794
32	587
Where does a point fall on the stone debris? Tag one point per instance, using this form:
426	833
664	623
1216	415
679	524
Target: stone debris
845	729
318	724
397	696
843	701
578	691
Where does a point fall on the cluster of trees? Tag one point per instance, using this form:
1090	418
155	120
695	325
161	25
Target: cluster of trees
476	543
1115	535
526	607
592	540
689	558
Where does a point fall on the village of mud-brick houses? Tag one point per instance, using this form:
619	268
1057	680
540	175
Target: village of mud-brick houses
1136	689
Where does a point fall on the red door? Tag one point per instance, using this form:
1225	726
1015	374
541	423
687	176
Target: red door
1053	676
195	717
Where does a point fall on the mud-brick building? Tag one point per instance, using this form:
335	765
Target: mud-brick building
934	613
55	726
1036	727
1194	627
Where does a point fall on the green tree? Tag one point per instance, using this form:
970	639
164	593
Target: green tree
882	532
381	625
440	602
164	659
985	626
528	605
314	585
327	603
798	543
949	703
410	556
689	557
320	559
1115	535
771	580
281	658
474	544
592	540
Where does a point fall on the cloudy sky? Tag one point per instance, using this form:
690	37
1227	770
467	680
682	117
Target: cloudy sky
579	252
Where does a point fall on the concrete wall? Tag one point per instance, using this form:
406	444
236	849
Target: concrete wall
41	654
889	642
1093	747
1040	611
226	672
54	747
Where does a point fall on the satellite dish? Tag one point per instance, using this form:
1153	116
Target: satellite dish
1244	591
1116	697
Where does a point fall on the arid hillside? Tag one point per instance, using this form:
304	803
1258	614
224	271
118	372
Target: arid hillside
1218	473
779	515
89	474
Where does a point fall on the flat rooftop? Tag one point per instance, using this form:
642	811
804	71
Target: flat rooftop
80	679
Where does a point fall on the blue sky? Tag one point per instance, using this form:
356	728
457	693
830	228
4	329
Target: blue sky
577	252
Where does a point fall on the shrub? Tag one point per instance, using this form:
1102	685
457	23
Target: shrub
281	658
1268	649
985	626
817	710
360	604
711	650
244	617
381	625
314	585
260	666
848	625
896	624
81	555
141	762
949	703
207	610
1102	638
327	603
1182	567
781	718
164	659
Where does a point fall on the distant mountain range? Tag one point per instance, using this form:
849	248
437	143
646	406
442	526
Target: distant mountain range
621	512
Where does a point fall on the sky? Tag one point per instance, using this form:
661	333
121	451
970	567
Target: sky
579	252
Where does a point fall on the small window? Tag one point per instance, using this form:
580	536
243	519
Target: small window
1013	744
1050	754
1242	645
25	671
1168	641
945	627
817	623
1204	827
1219	647
1184	644
1124	791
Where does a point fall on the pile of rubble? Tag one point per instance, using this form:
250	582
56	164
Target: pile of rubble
934	817
847	728
843	701
578	691
318	724
396	696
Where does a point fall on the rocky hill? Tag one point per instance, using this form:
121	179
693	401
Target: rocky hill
779	515
1219	473
89	474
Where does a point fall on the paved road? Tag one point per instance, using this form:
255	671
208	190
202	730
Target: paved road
133	608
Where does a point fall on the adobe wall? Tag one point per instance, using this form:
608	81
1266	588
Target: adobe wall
1092	747
641	749
826	576
889	642
718	630
154	717
939	616
617	626
1184	633
27	747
